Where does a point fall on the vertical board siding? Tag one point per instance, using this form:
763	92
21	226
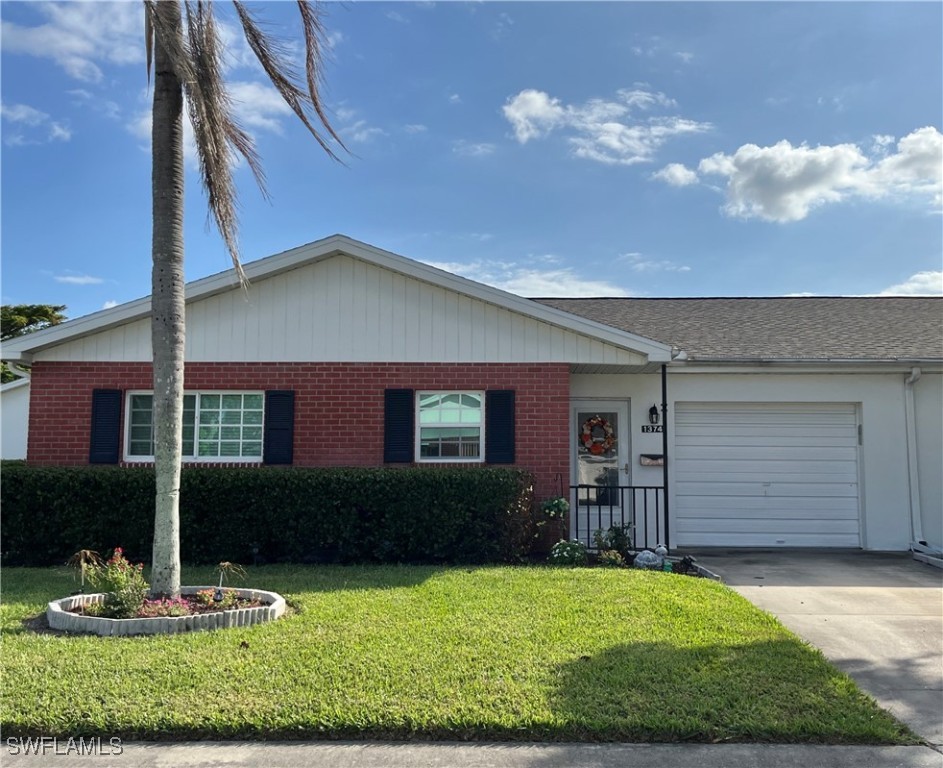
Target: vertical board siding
345	309
766	474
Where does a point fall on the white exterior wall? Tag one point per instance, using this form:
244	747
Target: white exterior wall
928	404
14	420
344	309
885	513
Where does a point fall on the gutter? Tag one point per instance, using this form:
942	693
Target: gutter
20	373
918	545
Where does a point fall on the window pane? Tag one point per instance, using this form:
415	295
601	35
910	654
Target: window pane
189	402
208	449
140	448
252	401
230	433
471	401
209	417
252	449
252	417
209	433
229	449
209	401
232	417
141	402
141	433
252	433
232	401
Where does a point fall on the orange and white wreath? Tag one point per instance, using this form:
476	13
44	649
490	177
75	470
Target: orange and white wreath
597	446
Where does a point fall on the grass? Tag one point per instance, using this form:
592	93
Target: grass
441	653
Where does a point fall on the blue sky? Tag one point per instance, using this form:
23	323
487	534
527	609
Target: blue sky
649	149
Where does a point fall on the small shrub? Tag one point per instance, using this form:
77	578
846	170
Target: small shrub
555	508
176	606
568	553
123	584
609	558
617	538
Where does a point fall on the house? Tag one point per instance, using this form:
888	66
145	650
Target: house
785	421
14	418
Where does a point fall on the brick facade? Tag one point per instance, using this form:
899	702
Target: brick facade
338	406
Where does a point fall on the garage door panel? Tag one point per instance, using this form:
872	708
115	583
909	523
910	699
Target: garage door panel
766	453
759	469
765	474
765	525
840	506
792	539
761	438
780	490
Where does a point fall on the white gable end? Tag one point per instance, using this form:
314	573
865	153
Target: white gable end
347	309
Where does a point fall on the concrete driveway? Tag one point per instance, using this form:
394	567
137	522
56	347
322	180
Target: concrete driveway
876	616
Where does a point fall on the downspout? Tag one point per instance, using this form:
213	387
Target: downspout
918	543
664	445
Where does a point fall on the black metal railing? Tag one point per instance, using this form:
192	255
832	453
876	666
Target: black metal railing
599	507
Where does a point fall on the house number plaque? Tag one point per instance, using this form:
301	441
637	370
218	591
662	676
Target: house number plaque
653	428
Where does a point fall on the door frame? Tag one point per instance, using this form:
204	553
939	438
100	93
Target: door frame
622	406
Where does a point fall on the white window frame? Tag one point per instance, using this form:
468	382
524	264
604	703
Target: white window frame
193	459
480	459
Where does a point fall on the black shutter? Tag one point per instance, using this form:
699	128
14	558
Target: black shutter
105	440
279	427
499	426
399	409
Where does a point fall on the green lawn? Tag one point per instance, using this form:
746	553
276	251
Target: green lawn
442	653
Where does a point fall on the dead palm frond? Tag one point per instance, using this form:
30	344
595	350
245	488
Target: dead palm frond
84	561
195	50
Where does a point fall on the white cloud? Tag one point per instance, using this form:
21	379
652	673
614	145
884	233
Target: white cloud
33	126
784	183
109	304
361	132
676	175
920	284
639	263
415	128
258	106
502	26
75	279
686	56
601	130
469	149
22	113
79	36
397	17
454	98
528	281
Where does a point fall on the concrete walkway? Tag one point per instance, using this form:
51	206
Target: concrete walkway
876	616
526	755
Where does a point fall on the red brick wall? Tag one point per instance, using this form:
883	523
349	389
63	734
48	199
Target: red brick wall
334	402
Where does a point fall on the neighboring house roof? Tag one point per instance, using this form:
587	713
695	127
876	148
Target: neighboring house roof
807	328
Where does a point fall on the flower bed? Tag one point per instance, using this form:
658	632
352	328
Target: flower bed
266	606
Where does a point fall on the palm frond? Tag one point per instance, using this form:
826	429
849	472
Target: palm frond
283	76
196	57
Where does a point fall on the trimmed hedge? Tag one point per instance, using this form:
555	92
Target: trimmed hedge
268	514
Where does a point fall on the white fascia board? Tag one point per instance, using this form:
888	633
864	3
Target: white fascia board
806	366
21	349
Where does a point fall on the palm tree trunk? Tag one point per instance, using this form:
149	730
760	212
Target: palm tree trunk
167	308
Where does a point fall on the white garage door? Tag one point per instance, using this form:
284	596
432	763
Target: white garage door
766	474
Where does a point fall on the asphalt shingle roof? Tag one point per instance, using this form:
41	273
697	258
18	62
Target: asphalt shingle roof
813	328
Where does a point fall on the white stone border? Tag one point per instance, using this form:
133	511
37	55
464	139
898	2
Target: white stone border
59	616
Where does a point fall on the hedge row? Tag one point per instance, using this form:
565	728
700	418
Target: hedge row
465	515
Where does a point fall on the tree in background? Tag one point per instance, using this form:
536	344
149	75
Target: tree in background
18	319
184	53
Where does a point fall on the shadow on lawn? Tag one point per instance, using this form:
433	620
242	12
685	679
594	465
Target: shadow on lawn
781	691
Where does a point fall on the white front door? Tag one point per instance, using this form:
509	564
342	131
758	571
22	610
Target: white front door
601	467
